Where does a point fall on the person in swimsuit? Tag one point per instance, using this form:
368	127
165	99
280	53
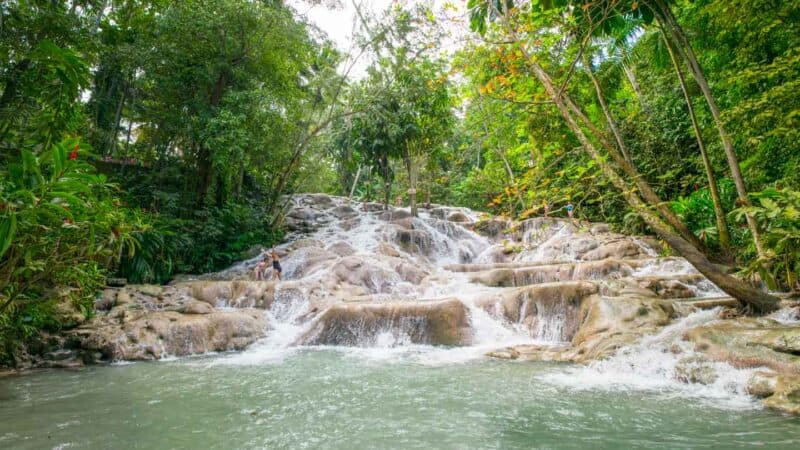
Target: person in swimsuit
261	269
276	265
570	210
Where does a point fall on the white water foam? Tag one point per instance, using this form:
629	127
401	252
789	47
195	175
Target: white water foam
650	365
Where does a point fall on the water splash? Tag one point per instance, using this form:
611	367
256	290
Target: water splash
653	364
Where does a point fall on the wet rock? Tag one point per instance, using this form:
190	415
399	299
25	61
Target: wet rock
342	212
195	307
750	342
695	369
361	272
341	249
762	384
787	395
674	286
458	216
410	273
548	311
116	282
414	241
493	227
154	335
387	250
106	300
619	249
322	201
396	214
372	207
432	323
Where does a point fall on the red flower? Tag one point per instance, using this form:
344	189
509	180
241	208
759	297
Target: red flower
74	155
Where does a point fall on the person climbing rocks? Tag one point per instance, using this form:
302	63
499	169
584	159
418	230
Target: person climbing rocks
276	265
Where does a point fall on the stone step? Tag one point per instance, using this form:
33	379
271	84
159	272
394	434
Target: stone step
708	302
482	267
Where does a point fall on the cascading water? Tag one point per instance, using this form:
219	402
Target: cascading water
658	362
382	323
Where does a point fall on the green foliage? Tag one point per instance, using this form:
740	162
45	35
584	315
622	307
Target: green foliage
778	213
697	210
60	228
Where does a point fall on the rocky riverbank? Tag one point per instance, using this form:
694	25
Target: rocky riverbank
355	275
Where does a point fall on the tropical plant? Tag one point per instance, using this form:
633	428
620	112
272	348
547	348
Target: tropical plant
778	213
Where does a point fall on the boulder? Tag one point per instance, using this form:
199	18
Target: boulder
762	384
368	274
363	324
623	248
341	249
750	342
458	216
154	335
695	369
344	211
395	214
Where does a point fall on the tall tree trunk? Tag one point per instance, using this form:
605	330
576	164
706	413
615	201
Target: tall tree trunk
719	212
408	157
355	183
612	124
758	300
631	75
112	144
668	22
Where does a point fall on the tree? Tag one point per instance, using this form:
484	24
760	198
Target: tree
760	301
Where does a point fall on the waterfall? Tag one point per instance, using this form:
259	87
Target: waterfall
654	364
358	277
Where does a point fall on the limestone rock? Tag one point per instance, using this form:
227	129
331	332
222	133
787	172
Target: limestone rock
363	324
695	369
157	334
458	216
762	384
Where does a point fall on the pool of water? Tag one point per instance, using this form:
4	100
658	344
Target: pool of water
333	399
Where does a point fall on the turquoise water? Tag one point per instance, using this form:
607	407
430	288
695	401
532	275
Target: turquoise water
340	400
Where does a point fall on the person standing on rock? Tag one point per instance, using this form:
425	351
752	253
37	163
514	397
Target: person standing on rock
276	265
261	269
570	210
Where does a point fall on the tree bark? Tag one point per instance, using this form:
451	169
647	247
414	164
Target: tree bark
355	183
112	144
670	24
719	212
758	300
408	156
631	75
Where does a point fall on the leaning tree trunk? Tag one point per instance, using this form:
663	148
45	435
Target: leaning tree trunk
671	25
637	90
647	192
612	124
719	212
758	300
